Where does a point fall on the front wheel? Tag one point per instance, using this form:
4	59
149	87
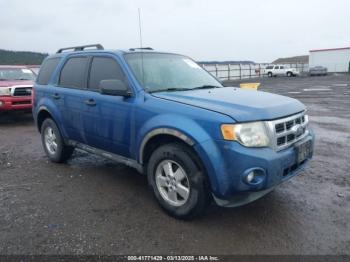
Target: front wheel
289	74
53	142
177	181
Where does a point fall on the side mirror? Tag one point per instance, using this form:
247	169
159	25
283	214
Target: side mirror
114	87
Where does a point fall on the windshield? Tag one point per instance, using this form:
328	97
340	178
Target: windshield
16	74
163	72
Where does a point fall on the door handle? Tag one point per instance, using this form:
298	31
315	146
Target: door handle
90	102
56	96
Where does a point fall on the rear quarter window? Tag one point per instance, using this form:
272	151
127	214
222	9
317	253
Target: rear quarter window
46	70
73	72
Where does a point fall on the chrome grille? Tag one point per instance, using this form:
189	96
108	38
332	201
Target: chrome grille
287	131
21	91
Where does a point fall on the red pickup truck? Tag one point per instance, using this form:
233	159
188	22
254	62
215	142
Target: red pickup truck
16	83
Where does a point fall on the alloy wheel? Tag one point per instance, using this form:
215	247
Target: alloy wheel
172	182
50	140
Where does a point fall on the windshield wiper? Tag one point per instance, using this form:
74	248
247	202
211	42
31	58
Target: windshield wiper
184	89
168	89
205	87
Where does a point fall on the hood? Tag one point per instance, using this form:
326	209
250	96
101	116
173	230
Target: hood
241	104
9	83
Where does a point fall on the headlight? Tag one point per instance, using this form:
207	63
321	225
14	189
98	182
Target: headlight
248	134
5	91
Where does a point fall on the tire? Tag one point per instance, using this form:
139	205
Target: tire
269	74
171	169
53	142
289	74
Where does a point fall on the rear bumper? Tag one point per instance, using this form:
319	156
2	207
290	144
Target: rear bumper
10	103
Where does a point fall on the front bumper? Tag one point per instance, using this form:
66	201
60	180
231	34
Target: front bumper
10	103
230	165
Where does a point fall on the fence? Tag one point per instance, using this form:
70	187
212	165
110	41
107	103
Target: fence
241	71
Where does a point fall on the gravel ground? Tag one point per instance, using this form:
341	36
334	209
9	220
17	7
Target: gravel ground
93	206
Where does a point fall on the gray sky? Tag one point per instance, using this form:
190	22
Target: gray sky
258	30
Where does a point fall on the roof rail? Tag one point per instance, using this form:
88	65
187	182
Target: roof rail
80	48
140	48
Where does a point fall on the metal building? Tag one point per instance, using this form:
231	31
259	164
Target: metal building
335	59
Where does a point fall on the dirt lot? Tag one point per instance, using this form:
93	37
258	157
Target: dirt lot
94	206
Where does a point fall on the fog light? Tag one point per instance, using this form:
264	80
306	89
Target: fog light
254	176
250	177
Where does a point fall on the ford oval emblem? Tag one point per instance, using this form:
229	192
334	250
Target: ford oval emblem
298	130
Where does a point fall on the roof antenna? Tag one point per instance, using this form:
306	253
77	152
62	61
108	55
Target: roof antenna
140	30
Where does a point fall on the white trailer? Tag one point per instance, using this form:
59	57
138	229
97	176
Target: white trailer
334	59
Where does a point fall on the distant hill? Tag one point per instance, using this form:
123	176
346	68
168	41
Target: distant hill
302	59
225	62
21	57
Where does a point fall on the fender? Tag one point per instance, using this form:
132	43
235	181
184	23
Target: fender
51	108
167	131
192	134
171	124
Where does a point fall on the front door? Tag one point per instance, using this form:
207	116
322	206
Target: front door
277	70
107	122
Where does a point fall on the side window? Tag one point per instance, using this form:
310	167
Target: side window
103	68
46	70
269	67
276	67
73	72
281	67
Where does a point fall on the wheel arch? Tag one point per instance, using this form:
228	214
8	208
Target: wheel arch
43	113
160	136
163	136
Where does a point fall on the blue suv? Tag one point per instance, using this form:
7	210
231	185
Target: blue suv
161	113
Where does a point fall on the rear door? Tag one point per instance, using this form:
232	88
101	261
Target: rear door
282	70
72	95
108	121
